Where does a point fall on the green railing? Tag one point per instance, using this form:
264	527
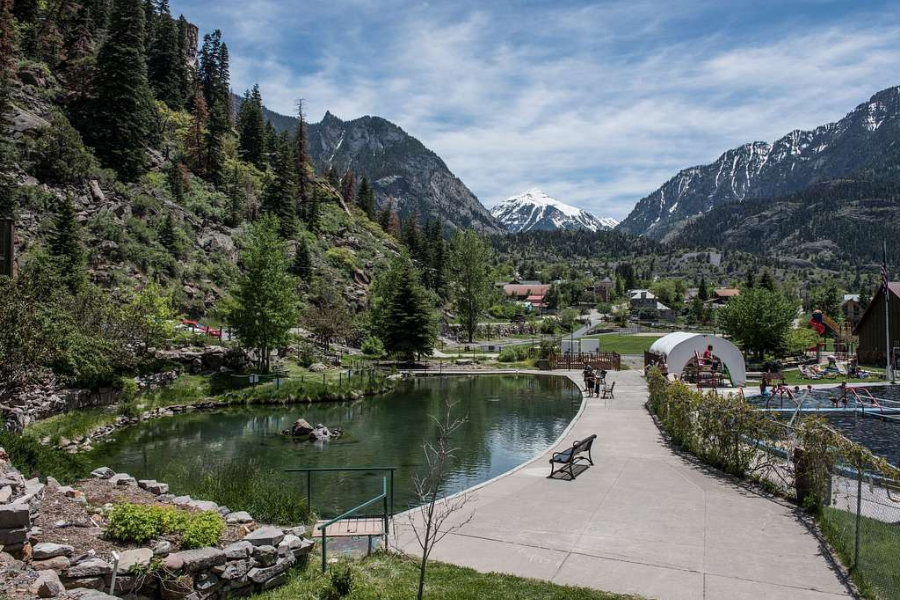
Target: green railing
382	497
312	470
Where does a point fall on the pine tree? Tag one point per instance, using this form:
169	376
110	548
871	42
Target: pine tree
8	183
703	293
271	143
168	236
403	311
176	180
197	135
411	237
66	247
348	187
435	276
186	71
217	129
26	11
281	190
237	198
313	211
149	25
333	177
304	161
366	198
7	40
167	64
123	112
252	128
302	266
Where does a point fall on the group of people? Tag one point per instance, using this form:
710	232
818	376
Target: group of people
593	381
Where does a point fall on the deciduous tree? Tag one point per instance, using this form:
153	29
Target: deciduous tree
759	320
470	280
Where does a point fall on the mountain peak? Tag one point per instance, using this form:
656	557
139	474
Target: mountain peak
535	210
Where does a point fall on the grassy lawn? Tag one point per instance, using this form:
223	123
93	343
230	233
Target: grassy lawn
625	344
793	377
876	574
388	577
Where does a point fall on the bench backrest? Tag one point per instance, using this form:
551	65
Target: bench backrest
583	445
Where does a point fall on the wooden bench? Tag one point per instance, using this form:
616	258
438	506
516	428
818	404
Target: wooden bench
567	458
609	391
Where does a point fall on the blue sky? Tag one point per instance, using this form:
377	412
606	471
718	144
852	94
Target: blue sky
596	103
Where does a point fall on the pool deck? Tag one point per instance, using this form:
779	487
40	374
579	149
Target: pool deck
643	520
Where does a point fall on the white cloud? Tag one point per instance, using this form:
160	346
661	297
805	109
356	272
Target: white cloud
598	105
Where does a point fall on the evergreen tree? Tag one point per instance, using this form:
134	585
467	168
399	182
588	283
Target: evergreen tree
271	143
262	308
237	198
26	11
168	236
217	129
312	213
187	89
384	218
167	65
703	292
766	280
333	177
176	180
149	25
302	266
8	183
470	257
348	187
66	247
252	128
281	191
435	276
304	160
412	238
197	135
366	198
7	40
403	311
123	113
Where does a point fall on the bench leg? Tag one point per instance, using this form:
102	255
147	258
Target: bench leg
571	471
590	458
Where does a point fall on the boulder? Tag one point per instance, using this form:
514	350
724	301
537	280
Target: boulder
13	537
235	570
239	550
301	428
319	434
237	518
162	548
6	493
94	595
96	192
264	574
47	585
266	556
59	563
203	505
131	559
92	567
123	479
299	531
317	367
265	536
14	516
47	550
200	559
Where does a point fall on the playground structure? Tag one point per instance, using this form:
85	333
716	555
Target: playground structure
825	325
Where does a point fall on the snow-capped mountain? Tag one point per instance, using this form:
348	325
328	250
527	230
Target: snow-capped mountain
866	139
535	210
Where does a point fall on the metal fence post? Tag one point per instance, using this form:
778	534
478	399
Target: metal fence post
858	514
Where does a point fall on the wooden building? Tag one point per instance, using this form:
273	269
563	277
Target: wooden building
871	330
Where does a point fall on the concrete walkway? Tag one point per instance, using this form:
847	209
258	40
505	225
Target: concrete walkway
642	521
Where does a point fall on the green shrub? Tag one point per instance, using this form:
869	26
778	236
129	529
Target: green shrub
134	523
202	530
513	354
340	582
372	346
58	153
139	523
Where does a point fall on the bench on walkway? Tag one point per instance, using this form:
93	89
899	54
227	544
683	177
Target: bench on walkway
609	391
567	458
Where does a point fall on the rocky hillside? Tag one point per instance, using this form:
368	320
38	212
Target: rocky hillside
830	225
401	169
867	138
536	211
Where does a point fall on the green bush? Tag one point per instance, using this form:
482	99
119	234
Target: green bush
59	155
139	523
340	582
202	530
372	346
511	354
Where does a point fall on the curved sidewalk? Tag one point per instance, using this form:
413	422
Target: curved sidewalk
642	521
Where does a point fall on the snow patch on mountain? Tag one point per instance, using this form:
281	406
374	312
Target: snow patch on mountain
535	210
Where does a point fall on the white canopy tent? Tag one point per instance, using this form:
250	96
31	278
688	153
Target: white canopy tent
677	349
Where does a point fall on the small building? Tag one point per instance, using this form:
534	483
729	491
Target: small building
851	309
536	301
604	289
521	291
723	295
871	328
679	353
644	305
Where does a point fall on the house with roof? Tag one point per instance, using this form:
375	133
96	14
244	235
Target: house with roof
871	328
644	305
521	291
723	295
603	289
851	309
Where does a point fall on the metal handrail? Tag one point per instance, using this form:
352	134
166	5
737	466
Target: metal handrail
324	526
311	470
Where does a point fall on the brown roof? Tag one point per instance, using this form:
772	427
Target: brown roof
894	286
526	290
727	292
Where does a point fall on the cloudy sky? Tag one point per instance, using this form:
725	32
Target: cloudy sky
597	103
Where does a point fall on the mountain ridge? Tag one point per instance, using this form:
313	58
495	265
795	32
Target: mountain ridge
865	138
534	210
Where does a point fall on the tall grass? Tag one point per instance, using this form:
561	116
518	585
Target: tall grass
32	458
259	490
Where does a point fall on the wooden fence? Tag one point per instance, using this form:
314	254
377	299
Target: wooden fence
575	361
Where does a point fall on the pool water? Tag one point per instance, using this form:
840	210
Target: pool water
510	419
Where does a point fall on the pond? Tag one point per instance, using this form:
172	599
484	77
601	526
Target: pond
510	419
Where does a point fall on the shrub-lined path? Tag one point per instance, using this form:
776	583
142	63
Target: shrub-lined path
643	521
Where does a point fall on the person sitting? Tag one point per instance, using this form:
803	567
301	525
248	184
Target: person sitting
707	354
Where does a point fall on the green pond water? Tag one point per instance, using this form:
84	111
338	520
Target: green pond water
511	419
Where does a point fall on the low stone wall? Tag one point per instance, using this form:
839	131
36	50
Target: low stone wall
260	560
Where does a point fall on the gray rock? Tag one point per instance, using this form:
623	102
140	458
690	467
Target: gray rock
306	547
47	585
235	570
96	192
13	537
266	556
94	584
92	567
239	517
263	574
173	562
224	510
162	548
239	550
95	595
181	500
203	505
60	563
5	494
206	582
319	434
47	550
288	544
265	536
103	473
200	559
14	515
301	428
317	367
133	559
299	531
123	479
